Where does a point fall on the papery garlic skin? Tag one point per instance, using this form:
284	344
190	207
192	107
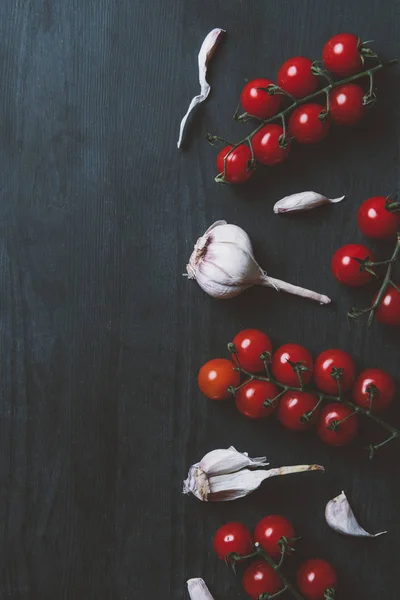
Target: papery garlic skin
224	475
207	49
303	201
223	265
198	590
340	517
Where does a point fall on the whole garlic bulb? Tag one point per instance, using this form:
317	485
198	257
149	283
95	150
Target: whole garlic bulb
223	265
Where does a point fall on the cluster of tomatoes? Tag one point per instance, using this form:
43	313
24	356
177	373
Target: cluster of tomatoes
376	220
309	123
316	578
257	397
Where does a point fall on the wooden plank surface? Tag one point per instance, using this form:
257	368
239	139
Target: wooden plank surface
101	337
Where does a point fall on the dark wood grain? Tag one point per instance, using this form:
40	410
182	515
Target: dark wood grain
101	337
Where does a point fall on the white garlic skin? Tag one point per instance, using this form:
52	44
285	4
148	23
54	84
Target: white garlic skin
340	517
303	201
198	590
222	261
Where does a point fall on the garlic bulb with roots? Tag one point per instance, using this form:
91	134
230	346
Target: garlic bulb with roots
223	265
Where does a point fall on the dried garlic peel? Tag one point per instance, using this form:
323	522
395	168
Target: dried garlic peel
198	590
206	51
340	518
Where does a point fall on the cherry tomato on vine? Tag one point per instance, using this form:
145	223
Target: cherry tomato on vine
346	267
260	578
237	168
341	54
315	577
269	145
306	124
296	78
282	364
258	102
328	361
216	376
250	344
346	104
251	397
345	432
233	538
270	530
293	406
374	388
376	221
388	311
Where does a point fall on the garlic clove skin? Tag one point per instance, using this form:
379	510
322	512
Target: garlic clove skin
303	201
223	265
340	517
224	475
198	590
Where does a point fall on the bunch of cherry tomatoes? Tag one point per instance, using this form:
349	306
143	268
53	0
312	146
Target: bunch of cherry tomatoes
343	55
297	409
376	220
316	578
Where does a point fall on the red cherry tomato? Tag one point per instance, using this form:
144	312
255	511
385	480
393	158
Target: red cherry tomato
257	102
267	145
251	397
315	577
382	386
282	368
345	432
260	578
376	221
233	538
341	54
270	530
250	344
388	311
347	106
237	168
216	376
296	78
325	363
346	268
306	126
293	405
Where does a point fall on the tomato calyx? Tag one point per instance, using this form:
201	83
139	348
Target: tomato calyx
330	594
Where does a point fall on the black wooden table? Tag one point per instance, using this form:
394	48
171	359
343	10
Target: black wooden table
101	337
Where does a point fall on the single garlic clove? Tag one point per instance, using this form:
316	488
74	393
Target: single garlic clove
198	590
303	201
220	462
207	49
340	518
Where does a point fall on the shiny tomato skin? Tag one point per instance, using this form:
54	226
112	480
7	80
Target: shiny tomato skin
388	312
341	55
314	577
306	126
250	399
267	150
283	371
346	431
233	538
250	344
216	376
257	102
296	78
323	366
237	164
260	578
376	221
270	530
345	267
347	106
293	405
384	393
